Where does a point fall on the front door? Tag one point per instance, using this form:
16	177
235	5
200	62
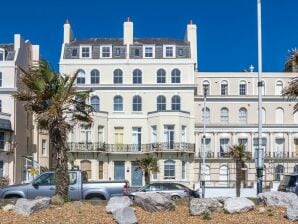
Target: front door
136	175
119	170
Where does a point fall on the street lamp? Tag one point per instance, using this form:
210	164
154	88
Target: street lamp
259	150
204	144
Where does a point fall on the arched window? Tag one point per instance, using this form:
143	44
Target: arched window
224	175
95	103
137	103
207	117
175	75
206	87
94	76
263	88
161	103
137	76
295	169
263	116
278	87
86	166
81	76
243	116
224	88
224	115
279	171
118	103
242	88
207	172
169	169
118	76
161	76
176	103
279	116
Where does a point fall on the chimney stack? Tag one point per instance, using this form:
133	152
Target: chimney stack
191	36
128	32
68	34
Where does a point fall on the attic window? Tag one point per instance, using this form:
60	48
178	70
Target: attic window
137	52
85	52
74	52
2	53
117	51
180	52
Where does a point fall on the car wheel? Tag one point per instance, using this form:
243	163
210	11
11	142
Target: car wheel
175	197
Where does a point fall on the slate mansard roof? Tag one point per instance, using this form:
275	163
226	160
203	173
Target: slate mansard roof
182	47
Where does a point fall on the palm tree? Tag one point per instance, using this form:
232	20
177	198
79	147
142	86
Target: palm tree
148	165
291	64
57	107
291	91
239	155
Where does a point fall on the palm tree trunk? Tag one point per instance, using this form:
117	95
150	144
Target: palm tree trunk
238	178
57	136
147	177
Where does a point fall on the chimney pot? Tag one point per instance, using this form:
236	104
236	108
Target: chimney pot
67	21
128	19
190	21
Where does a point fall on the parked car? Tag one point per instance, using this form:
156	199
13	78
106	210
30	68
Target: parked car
175	190
289	183
79	187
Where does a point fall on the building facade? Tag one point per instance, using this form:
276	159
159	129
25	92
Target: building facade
231	118
143	100
16	136
148	100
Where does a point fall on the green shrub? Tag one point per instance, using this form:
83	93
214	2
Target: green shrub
206	216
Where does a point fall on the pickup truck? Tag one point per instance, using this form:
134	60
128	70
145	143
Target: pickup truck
79	187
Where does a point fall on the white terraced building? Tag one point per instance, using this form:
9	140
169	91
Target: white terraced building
143	97
16	136
232	118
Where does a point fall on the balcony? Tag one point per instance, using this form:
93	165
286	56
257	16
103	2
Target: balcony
131	148
269	155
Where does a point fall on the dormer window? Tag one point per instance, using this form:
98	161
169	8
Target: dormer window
148	52
74	52
137	52
180	52
2	53
85	52
106	51
118	51
169	51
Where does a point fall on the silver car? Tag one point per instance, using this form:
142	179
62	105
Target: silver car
175	190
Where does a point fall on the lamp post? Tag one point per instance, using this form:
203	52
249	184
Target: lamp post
204	144
259	150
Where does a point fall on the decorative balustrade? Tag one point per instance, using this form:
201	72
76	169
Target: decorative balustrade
131	148
268	155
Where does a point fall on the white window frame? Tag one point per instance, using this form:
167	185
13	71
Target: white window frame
81	51
43	147
153	51
278	87
101	51
165	51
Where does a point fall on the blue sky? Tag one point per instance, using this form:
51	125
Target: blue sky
227	29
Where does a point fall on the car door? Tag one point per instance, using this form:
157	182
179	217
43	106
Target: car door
74	189
44	185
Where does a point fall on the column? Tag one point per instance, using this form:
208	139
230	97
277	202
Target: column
94	169
270	144
215	140
233	138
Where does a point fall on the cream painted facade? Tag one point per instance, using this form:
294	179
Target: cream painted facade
16	140
143	96
231	118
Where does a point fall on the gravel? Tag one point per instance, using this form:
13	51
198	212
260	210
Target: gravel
95	213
